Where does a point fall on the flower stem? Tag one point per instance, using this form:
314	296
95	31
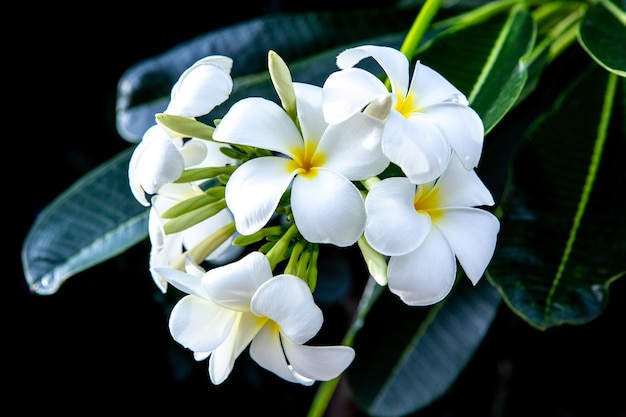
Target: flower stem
278	251
327	388
420	24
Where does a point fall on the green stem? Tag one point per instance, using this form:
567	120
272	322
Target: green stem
327	388
277	253
417	31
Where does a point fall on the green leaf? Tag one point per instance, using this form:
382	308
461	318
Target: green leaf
602	33
94	220
409	356
563	235
487	65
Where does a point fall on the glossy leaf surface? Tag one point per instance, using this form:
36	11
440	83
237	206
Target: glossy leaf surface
603	32
563	235
409	356
94	220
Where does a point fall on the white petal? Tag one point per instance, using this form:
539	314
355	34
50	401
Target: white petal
394	63
430	87
155	229
416	145
254	191
233	285
183	281
200	325
164	248
200	356
463	128
134	174
194	151
426	275
461	187
222	360
348	91
155	161
172	193
223	357
261	123
320	363
472	234
393	226
288	301
328	208
199	90
353	147
222	61
266	350
310	115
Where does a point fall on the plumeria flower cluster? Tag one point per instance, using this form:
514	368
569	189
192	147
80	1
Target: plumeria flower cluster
239	209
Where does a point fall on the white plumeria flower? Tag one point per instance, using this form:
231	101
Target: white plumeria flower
318	162
162	154
241	304
429	116
425	228
167	248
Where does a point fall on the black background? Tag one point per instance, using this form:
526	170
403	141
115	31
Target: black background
101	342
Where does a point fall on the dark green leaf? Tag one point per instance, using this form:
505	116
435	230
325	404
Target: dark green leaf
602	33
563	235
409	356
94	220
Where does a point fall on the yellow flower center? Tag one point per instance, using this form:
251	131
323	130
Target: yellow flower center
427	200
406	106
305	160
